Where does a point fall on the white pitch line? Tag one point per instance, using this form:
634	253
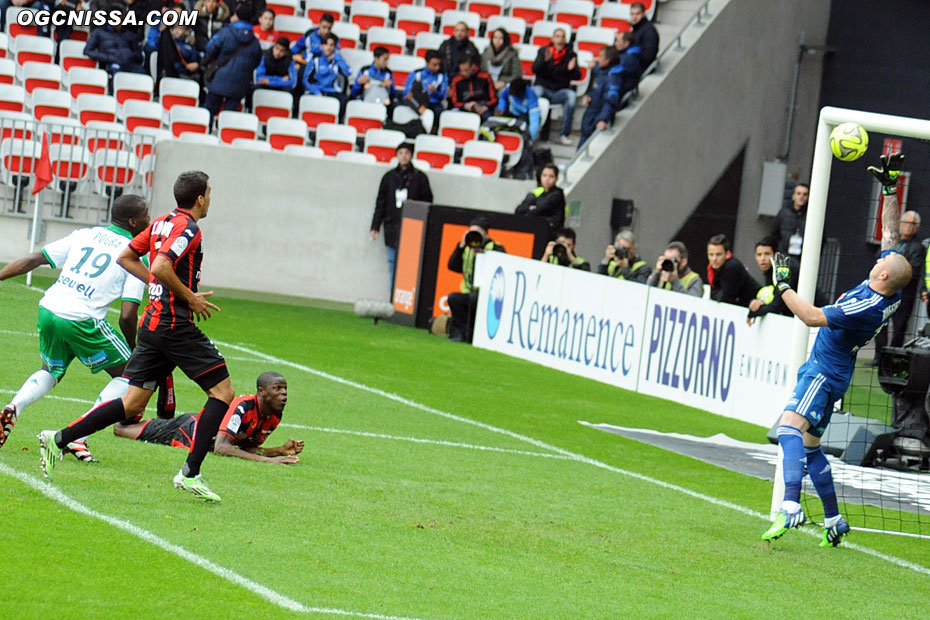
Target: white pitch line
232	576
565	453
435	442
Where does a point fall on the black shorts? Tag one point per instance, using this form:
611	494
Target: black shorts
159	352
177	432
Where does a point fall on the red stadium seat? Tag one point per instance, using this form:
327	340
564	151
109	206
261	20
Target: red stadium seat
383	143
333	138
268	103
486	155
82	80
364	116
283	132
415	19
234	125
316	109
188	119
460	126
437	151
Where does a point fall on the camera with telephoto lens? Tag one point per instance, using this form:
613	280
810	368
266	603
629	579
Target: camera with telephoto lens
474	239
620	252
561	253
670	264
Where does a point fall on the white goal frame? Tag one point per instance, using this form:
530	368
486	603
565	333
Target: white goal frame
830	117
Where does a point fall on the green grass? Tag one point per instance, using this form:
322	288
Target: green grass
387	526
865	397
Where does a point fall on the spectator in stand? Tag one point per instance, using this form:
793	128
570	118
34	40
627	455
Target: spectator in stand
673	273
555	67
375	83
789	223
463	304
427	88
327	74
264	30
237	49
257	7
456	46
615	74
402	183
212	15
729	279
153	37
311	44
500	60
519	101
115	49
177	56
564	255
546	201
644	32
912	248
621	261
768	298
473	90
277	71
631	59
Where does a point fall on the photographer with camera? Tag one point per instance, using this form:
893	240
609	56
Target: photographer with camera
562	251
462	305
673	274
620	260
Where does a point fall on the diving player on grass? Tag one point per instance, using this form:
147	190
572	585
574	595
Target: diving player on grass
845	327
72	312
168	337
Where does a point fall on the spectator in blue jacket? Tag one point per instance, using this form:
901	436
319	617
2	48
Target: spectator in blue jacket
376	81
277	70
236	46
631	59
518	101
328	73
310	44
115	49
427	87
603	100
177	56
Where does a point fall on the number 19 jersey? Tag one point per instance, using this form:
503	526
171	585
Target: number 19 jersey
90	279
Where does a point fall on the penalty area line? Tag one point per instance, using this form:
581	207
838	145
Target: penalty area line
900	562
264	592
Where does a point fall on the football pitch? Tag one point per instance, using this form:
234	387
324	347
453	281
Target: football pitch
438	481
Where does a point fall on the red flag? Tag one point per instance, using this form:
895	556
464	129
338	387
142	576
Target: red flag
43	168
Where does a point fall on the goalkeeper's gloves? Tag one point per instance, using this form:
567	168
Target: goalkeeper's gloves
781	272
887	173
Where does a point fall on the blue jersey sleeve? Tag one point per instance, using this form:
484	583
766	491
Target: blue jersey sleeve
856	313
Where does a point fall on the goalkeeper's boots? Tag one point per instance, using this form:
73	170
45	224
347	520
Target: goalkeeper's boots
49	452
783	522
80	451
7	420
196	486
832	536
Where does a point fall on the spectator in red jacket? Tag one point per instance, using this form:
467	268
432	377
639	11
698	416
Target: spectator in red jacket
473	90
264	30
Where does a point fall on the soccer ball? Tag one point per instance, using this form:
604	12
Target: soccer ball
849	141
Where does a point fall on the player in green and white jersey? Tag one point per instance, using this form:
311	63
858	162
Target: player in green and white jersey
72	313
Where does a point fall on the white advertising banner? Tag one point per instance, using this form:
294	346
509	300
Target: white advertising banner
702	353
571	320
694	351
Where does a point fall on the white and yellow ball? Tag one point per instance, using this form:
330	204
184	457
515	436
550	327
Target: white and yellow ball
849	141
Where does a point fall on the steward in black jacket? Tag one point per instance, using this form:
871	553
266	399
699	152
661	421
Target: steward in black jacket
397	185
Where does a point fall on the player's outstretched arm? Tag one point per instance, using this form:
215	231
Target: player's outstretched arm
290	448
225	447
887	174
197	302
132	263
23	265
811	315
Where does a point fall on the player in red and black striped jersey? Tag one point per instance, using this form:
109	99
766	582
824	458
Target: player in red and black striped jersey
248	422
167	337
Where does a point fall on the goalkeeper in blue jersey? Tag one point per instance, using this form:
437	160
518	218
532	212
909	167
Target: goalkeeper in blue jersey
846	326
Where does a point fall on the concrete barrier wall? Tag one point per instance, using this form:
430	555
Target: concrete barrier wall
730	88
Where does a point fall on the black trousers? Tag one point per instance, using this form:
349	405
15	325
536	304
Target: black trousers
463	307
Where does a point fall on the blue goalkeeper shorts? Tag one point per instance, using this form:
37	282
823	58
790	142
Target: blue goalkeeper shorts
813	398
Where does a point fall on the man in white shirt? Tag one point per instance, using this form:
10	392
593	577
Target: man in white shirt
72	313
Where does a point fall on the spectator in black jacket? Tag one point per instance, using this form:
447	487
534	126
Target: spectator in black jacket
729	279
177	56
277	71
646	35
555	67
546	201
768	298
456	46
115	49
402	183
911	247
212	15
789	223
237	47
473	90
621	261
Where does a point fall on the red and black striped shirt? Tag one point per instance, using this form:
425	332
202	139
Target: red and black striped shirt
246	425
177	237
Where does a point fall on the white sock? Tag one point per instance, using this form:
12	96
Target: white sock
790	507
831	521
116	388
38	385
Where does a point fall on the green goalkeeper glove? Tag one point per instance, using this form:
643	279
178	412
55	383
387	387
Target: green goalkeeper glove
781	272
888	173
